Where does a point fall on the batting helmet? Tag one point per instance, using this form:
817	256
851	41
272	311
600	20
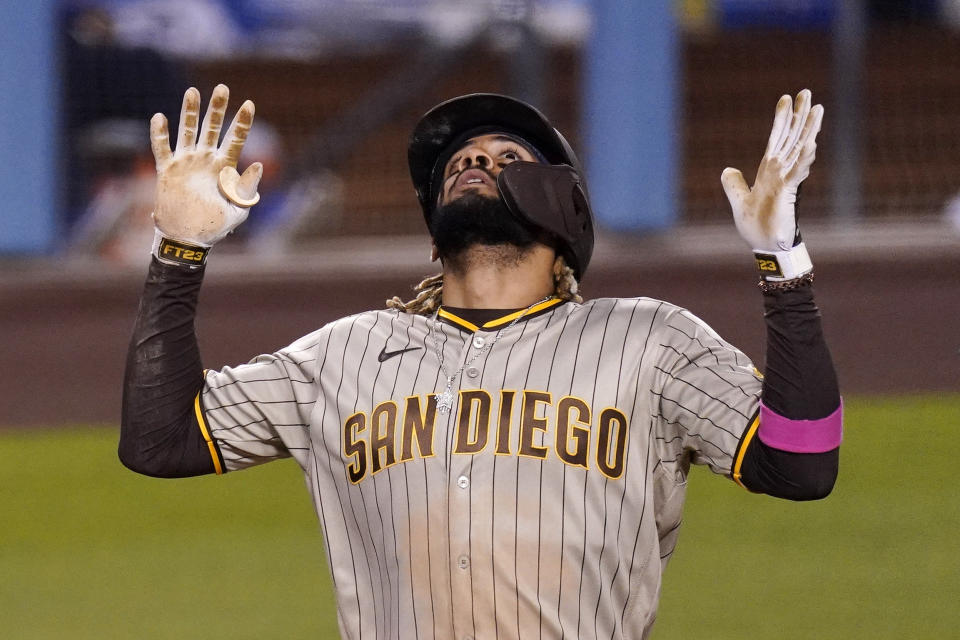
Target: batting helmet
551	195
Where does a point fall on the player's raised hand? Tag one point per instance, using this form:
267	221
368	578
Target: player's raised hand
764	214
200	195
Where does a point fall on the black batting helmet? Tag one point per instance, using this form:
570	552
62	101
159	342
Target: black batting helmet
550	195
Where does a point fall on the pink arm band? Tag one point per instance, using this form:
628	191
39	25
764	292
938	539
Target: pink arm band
801	436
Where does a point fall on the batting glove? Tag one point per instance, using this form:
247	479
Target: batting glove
765	214
200	196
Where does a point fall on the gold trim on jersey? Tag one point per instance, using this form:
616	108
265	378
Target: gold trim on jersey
741	452
460	322
206	436
497	322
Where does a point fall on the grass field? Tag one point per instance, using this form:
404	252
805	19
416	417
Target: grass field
90	550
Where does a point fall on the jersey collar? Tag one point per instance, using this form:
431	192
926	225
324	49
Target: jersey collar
502	321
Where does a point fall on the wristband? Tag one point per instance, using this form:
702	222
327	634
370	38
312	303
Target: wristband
178	252
775	286
777	266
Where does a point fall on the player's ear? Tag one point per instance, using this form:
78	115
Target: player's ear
434	254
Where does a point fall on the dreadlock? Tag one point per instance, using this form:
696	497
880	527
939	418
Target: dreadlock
430	291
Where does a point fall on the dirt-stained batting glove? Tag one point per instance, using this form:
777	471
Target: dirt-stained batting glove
200	195
765	214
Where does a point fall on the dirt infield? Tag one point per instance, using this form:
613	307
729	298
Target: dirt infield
892	316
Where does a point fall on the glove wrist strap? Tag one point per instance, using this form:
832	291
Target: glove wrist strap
178	252
778	266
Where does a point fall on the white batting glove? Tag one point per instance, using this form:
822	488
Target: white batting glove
765	214
200	196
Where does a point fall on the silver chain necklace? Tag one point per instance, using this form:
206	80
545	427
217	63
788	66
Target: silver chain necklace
445	401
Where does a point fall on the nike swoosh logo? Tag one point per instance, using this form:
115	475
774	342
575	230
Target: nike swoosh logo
386	355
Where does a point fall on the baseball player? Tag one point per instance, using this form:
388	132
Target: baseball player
495	458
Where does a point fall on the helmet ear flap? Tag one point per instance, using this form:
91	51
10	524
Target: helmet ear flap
551	197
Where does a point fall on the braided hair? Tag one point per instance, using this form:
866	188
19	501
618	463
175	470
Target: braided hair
430	291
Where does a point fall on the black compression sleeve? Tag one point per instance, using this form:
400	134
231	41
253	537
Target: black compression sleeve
799	380
784	474
160	433
800	384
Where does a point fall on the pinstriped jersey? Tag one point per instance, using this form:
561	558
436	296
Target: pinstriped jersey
545	504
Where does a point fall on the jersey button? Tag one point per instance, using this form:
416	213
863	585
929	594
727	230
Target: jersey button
463	482
478	342
463	562
473	372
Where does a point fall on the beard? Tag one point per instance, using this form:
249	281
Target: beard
474	221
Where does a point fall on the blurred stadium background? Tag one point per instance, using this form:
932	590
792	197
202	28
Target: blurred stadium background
657	96
666	92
